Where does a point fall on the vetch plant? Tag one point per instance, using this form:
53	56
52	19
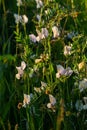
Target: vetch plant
49	38
63	72
67	50
41	35
42	88
52	103
83	85
23	19
33	38
56	32
20	70
39	3
18	18
19	2
27	99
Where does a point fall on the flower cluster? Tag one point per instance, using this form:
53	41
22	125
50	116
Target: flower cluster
56	56
41	35
23	19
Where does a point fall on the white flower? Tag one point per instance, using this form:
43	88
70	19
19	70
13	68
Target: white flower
19	2
52	102
38	38
23	65
85	100
67	50
47	11
20	70
85	107
24	19
38	17
61	71
18	18
37	89
56	32
39	3
42	88
52	99
79	105
68	71
82	85
49	105
42	35
32	38
27	99
43	85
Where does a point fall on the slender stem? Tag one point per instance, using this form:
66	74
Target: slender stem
60	116
3	3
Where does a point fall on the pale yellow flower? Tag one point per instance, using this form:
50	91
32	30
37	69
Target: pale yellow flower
67	50
81	65
19	2
56	32
37	89
24	19
27	99
38	61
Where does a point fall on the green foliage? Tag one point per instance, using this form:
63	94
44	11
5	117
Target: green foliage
30	65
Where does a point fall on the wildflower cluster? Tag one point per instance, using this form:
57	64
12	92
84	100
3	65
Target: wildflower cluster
47	82
62	74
